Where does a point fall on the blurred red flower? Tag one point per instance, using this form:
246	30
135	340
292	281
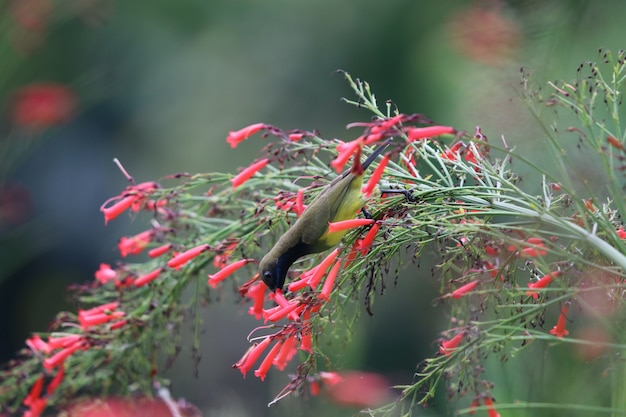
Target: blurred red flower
39	106
32	15
357	389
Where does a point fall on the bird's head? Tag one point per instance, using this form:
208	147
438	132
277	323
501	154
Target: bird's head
271	273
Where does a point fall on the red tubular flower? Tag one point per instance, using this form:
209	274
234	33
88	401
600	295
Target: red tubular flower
247	173
118	324
356	247
59	358
287	352
303	281
300	207
34	401
35	392
105	274
531	251
286	307
270	311
470	156
280	299
87	321
265	366
472	408
134	245
184	257
330	378
56	381
257	293
419	133
63	341
535	240
143	188
236	136
156	252
329	282
99	315
492	270
542	283
348	224
346	150
118	208
284	203
491	411
251	356
147	278
39	106
295	137
321	269
133	198
375	178
299	284
448	346
372	137
491	250
36	344
621	233
452	153
306	344
226	271
559	330
392	121
221	259
463	290
314	388
368	239
37	408
276	314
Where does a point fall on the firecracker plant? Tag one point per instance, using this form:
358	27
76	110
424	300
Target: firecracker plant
512	266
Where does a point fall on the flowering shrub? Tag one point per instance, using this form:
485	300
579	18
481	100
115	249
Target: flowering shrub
513	266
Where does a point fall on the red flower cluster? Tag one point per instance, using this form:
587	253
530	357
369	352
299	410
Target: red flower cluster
100	315
297	333
57	349
37	403
289	202
134	197
297	310
284	349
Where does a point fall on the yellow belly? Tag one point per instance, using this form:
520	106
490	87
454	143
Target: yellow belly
352	203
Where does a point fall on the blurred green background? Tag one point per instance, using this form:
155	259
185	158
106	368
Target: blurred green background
158	84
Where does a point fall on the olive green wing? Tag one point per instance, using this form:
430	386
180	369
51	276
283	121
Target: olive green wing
323	209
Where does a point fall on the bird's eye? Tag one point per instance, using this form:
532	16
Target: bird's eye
267	275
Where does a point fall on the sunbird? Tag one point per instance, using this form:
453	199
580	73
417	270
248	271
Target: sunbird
340	200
